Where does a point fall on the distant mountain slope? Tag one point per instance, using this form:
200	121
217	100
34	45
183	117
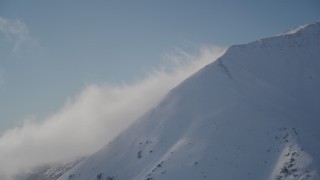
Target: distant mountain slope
252	114
49	172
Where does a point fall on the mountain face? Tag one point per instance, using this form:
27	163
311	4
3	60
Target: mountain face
252	114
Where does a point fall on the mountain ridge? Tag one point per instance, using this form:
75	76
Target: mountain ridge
251	114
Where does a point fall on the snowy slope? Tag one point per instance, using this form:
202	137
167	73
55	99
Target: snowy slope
252	114
48	172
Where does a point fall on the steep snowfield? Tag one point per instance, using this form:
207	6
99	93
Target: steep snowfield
252	114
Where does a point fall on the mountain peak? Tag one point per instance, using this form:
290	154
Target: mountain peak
252	114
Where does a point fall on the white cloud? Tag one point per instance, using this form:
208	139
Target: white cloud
17	34
94	117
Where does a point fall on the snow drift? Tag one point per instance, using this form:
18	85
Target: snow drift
95	116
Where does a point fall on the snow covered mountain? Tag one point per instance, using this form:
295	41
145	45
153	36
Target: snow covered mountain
252	114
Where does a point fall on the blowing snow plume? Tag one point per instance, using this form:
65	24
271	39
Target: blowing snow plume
92	118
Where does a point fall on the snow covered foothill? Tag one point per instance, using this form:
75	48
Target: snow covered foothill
252	114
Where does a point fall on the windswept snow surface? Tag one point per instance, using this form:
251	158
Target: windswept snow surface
252	114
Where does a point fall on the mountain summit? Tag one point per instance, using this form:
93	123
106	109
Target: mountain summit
251	114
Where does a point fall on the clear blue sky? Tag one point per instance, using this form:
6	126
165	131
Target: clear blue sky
63	45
